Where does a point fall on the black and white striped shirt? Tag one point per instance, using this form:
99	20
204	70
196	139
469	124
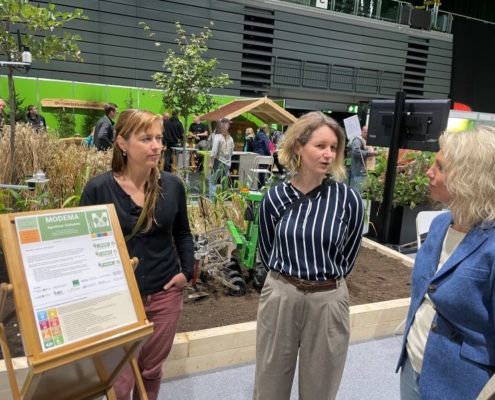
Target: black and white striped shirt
319	239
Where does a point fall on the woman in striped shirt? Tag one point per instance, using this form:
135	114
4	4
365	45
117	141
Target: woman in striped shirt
308	249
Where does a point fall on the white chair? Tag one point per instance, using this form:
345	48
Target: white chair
423	222
254	177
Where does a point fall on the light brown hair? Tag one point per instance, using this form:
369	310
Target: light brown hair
301	132
131	122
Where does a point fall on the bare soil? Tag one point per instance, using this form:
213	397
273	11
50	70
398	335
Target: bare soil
375	278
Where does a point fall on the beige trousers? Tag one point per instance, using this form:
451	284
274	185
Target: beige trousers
315	325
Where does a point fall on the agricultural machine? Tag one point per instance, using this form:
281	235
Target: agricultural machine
221	253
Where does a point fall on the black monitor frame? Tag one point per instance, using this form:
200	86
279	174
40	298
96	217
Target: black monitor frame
422	123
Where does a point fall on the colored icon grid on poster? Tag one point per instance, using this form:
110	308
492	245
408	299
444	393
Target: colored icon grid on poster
49	325
99	235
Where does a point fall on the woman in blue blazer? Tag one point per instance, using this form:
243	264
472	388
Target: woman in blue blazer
448	350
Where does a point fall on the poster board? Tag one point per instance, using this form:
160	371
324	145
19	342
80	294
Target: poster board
352	127
78	305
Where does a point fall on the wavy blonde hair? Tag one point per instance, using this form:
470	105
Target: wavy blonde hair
129	123
301	132
470	175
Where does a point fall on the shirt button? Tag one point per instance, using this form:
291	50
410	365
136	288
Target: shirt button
432	288
434	327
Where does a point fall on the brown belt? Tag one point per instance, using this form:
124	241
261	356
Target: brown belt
312	286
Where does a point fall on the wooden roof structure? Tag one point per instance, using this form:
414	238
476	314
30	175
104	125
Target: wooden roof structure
264	109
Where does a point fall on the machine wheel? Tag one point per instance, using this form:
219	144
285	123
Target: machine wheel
241	287
233	274
259	277
234	266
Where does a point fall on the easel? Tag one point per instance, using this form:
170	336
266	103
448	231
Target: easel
83	368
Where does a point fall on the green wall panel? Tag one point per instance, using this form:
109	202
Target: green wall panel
151	100
85	91
50	89
123	97
35	90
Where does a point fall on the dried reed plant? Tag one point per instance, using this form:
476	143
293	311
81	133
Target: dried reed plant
68	166
208	215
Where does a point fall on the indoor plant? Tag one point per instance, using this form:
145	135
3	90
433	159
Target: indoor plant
411	193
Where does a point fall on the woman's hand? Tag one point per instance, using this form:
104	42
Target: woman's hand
179	281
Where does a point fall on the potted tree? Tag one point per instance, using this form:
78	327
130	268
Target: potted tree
411	194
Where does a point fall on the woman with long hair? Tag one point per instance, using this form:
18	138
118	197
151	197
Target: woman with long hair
162	243
221	156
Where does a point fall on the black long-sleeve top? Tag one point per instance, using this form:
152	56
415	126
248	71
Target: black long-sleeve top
158	258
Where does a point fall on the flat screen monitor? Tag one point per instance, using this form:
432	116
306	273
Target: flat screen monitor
423	121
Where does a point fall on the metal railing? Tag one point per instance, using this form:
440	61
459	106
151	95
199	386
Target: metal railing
301	73
395	11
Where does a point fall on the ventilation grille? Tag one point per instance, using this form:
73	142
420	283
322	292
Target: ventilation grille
257	48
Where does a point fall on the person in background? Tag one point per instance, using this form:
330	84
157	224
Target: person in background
262	147
359	155
163	243
173	133
448	350
3	104
88	142
221	156
249	140
104	134
310	233
276	137
199	133
36	120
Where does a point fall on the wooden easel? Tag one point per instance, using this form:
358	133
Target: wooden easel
81	369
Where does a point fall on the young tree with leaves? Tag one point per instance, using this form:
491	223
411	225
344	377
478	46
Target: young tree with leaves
36	24
188	79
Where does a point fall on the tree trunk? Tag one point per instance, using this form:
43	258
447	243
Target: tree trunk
184	144
13	173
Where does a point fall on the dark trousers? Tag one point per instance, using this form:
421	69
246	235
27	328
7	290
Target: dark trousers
168	156
280	167
262	176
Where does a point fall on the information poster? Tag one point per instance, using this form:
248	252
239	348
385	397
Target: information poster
75	275
352	127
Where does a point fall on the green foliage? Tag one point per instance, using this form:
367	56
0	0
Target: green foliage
90	121
40	199
42	32
20	112
66	123
188	78
32	20
129	102
411	183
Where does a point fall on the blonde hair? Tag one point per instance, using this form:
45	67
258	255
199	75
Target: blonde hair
470	175
249	132
129	123
301	132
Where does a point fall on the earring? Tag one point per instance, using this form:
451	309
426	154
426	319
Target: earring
124	153
298	160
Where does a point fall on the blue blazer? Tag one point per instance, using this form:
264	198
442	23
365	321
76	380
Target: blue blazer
459	357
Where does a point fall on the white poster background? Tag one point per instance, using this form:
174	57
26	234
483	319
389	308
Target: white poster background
77	284
352	127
